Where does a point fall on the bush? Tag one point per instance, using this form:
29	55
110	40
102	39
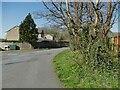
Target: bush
73	75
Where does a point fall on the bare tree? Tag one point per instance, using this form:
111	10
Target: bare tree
87	22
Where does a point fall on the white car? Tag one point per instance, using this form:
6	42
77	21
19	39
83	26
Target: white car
6	47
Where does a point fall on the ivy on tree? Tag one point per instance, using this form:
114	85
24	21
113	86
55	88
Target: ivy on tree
28	31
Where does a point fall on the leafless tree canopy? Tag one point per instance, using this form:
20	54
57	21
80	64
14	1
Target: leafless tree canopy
96	18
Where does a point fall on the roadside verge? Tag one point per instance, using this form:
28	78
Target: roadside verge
72	76
66	69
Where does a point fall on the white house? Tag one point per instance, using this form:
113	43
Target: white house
49	37
44	36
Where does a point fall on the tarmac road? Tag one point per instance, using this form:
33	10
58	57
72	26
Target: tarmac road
29	69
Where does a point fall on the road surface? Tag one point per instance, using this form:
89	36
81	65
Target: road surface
29	69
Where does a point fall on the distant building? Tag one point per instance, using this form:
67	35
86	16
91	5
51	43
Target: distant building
44	36
115	38
49	37
13	34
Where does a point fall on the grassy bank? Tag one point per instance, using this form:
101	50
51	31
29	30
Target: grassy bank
72	76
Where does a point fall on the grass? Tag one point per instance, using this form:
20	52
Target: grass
72	76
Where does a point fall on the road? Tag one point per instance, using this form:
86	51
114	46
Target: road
29	69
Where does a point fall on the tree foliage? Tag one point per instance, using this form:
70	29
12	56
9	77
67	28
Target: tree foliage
28	30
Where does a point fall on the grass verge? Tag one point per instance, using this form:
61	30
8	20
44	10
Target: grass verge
72	76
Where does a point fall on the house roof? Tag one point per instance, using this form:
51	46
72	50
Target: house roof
12	28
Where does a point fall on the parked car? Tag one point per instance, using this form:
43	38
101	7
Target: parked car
6	47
